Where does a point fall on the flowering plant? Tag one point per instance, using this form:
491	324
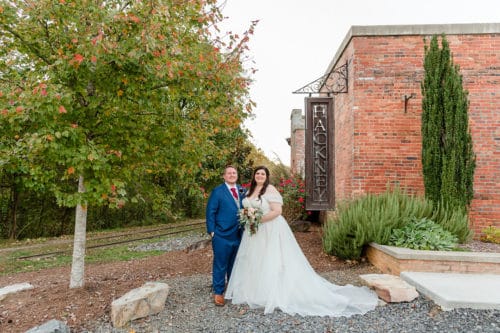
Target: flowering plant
250	218
293	191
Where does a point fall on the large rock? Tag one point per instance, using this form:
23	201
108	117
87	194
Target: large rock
14	288
390	288
300	226
52	326
138	303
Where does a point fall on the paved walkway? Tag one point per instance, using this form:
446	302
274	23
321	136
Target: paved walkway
454	290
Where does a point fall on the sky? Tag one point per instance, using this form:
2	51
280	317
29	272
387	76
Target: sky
295	40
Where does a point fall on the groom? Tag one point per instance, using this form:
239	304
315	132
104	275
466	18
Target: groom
223	226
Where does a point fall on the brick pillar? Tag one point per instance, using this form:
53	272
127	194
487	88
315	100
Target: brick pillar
297	143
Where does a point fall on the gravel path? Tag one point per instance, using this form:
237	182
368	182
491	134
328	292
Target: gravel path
189	308
173	243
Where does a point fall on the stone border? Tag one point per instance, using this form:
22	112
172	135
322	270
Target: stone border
394	260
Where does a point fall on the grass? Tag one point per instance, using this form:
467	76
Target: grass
12	251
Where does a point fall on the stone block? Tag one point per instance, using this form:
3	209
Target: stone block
390	288
138	303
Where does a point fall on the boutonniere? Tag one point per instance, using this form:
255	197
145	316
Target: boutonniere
241	190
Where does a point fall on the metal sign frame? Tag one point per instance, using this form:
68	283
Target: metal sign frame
319	154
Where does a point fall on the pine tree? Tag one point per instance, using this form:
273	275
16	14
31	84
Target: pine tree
448	159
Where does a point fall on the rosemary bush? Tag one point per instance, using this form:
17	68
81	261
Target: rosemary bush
371	218
453	219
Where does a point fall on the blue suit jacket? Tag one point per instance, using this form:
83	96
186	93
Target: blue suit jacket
222	212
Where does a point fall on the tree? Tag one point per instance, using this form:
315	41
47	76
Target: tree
98	95
448	159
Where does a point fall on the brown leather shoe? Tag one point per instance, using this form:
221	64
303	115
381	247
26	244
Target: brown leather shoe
219	300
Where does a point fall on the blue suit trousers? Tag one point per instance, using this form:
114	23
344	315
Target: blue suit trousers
225	249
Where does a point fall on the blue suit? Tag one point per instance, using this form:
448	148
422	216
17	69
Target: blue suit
222	219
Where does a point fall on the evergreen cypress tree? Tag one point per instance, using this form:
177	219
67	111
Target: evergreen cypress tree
448	159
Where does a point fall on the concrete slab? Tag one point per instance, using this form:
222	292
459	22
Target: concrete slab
455	290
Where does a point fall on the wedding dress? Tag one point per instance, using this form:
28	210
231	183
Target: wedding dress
271	272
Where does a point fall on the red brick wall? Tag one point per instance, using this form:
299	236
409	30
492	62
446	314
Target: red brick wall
387	138
479	60
297	143
344	139
378	141
297	159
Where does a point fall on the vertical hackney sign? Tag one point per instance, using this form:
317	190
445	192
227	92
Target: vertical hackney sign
319	154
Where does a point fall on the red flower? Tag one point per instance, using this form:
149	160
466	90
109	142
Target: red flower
78	58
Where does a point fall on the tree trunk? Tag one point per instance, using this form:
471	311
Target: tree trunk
78	265
14	207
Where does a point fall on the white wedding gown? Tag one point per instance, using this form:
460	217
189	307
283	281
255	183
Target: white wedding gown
271	272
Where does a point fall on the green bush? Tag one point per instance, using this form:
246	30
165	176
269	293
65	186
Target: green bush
423	234
371	218
453	219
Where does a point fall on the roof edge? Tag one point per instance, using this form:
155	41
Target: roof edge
407	30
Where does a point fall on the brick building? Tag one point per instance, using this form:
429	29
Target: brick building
377	122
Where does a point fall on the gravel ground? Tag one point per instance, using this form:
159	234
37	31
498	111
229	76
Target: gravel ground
173	244
189	308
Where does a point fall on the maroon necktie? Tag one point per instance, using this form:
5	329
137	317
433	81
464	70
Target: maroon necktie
235	195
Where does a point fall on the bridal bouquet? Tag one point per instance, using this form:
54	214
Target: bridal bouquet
250	218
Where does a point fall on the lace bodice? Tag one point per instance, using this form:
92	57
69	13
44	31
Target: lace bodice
271	195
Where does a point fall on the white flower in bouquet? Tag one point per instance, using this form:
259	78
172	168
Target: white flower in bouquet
251	218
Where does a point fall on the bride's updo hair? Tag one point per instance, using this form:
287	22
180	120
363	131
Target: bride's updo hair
253	184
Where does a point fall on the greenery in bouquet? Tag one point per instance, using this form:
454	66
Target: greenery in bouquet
293	191
250	218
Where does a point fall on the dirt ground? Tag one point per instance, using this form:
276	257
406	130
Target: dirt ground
51	297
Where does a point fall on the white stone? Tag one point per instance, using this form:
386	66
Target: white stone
138	303
390	288
52	326
14	288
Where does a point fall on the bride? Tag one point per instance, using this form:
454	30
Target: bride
271	272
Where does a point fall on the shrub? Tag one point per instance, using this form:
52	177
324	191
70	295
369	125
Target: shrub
453	219
371	218
293	192
423	234
491	234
